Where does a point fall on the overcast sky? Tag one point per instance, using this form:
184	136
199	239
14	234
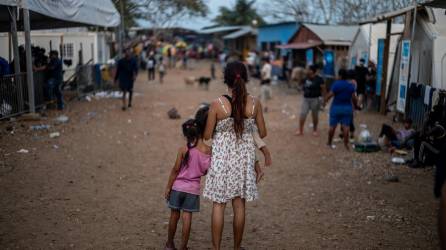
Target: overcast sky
214	5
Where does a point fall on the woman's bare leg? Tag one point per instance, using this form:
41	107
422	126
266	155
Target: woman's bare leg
331	133
187	223
238	205
174	217
218	213
345	132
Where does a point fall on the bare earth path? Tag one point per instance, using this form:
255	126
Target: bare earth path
101	186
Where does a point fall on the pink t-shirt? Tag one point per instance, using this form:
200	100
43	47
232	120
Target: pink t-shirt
188	180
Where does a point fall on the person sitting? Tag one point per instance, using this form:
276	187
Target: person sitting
401	138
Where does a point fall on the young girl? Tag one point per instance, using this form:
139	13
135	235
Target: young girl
183	187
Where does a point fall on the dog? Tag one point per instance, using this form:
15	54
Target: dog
204	81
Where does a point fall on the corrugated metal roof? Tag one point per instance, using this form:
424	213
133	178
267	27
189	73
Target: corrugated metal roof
244	31
334	34
220	29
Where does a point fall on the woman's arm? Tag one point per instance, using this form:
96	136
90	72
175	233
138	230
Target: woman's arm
260	120
355	101
211	121
174	172
328	97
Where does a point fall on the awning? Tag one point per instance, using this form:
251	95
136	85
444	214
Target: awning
62	13
302	45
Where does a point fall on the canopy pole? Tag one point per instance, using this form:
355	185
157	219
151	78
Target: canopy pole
15	51
121	30
29	66
383	103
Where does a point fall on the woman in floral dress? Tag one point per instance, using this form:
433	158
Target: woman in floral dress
232	119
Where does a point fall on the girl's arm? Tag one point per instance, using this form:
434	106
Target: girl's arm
174	172
211	121
260	120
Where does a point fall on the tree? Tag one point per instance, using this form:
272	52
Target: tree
290	9
242	13
333	11
159	13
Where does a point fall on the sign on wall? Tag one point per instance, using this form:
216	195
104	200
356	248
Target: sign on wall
329	63
379	66
310	57
353	62
404	76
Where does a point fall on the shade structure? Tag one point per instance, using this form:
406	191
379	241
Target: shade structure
62	13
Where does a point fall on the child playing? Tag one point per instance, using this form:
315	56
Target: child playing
183	188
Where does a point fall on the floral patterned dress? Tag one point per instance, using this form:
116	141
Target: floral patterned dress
232	171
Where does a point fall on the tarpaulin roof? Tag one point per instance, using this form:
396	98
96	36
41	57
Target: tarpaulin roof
63	13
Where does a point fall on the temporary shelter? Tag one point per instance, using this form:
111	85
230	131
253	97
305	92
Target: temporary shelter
37	14
61	13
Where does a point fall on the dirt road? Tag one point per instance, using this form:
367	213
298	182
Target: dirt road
100	184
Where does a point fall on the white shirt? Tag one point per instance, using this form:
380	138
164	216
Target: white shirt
266	71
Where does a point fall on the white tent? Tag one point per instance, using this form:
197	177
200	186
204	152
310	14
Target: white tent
429	49
63	13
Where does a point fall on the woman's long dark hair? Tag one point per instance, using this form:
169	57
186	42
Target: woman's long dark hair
236	77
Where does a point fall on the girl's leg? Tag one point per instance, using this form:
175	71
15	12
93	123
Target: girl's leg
218	212
173	221
187	224
238	205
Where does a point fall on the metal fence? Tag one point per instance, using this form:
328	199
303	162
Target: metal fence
14	94
417	110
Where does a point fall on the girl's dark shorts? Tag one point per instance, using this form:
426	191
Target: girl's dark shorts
184	201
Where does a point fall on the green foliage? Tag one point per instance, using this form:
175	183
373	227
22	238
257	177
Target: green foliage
242	13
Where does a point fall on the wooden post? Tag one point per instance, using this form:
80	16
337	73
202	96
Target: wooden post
383	103
29	63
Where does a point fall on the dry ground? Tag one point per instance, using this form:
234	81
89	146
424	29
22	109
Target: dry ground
101	186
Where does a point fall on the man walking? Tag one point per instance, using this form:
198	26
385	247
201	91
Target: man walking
361	72
55	78
265	89
314	89
126	73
